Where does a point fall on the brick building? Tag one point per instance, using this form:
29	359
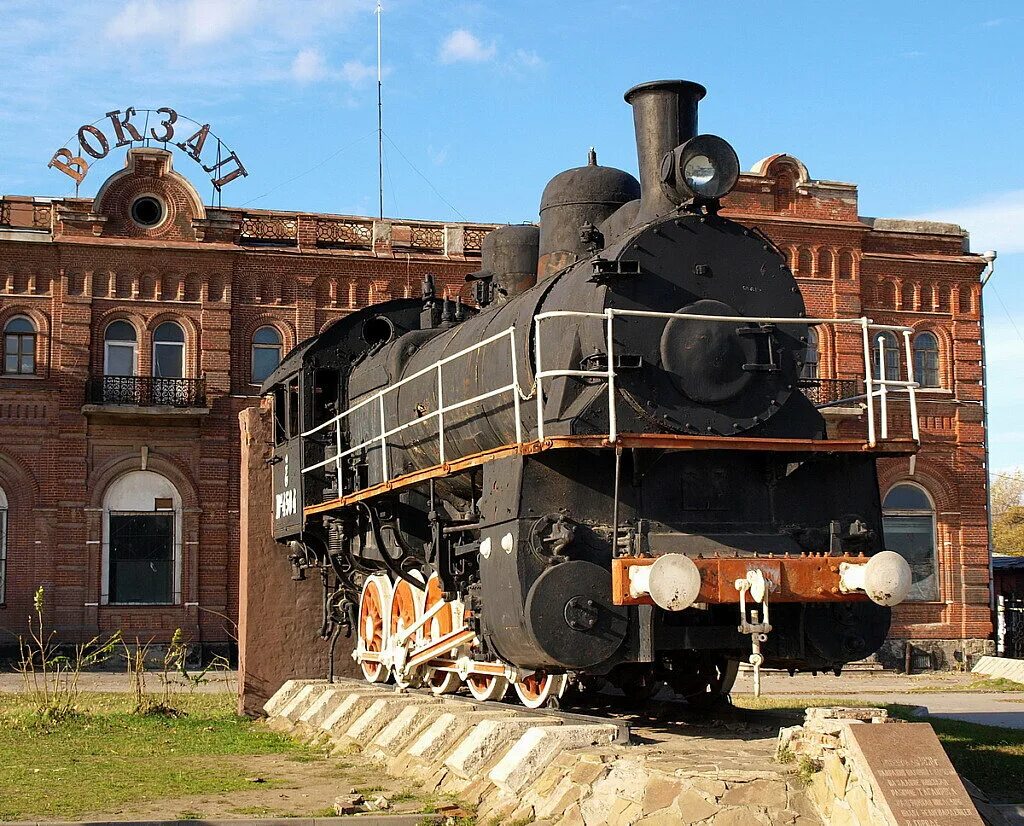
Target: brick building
138	324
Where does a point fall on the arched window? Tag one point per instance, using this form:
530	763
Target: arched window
141	540
966	304
3	546
826	263
908	521
812	356
266	353
20	346
885	350
907	301
169	351
805	262
119	346
846	264
926	360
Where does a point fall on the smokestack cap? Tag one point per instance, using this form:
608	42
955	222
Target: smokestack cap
686	88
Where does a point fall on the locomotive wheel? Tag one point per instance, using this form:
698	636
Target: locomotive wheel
716	681
442	623
537	690
406	609
374	605
486	686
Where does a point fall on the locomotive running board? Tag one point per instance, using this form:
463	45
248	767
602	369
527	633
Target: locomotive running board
662	441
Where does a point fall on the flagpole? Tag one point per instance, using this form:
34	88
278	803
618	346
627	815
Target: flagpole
380	121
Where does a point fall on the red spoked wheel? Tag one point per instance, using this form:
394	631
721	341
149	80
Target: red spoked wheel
486	686
374	606
438	626
540	688
406	606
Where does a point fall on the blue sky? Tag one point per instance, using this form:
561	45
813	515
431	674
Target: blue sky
919	104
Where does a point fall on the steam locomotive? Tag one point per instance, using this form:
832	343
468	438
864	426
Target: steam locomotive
604	467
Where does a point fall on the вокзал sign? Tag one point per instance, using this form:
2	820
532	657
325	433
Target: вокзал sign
124	128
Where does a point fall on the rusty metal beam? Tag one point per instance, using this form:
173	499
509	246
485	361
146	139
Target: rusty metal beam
810	578
661	441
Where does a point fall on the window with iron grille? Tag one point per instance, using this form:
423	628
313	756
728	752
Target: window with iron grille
3	546
141	567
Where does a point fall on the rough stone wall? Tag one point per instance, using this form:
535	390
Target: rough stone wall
278	618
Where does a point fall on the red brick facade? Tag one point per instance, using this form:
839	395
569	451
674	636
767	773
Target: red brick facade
74	266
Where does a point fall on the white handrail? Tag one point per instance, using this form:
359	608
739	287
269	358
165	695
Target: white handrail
879	387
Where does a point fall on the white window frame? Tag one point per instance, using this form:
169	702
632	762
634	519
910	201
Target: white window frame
179	344
934	514
176	551
108	344
254	346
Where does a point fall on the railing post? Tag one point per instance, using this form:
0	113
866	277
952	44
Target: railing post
383	440
915	431
613	424
515	383
337	454
869	385
440	416
883	389
538	388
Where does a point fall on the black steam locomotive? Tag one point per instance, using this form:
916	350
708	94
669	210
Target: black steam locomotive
605	468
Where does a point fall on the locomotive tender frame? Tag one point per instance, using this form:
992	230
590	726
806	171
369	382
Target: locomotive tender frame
593	473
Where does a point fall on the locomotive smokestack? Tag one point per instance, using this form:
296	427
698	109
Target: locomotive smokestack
664	115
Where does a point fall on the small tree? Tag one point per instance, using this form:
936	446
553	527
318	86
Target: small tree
1007	492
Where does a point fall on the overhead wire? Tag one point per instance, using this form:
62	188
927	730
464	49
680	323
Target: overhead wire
415	169
313	168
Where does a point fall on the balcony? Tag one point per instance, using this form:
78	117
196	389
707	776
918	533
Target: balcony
828	392
145	395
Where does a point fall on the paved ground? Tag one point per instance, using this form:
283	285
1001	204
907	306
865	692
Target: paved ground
941	693
117	681
947	697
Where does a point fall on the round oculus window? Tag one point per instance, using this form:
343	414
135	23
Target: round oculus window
147	211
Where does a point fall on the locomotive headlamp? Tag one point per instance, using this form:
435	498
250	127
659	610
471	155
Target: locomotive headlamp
885	578
704	167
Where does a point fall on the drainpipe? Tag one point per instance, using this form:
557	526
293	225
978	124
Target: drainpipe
990	260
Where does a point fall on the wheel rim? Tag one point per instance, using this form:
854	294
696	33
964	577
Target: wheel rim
486	686
405	611
539	688
442	623
371	628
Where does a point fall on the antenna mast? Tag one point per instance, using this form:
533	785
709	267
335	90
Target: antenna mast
380	122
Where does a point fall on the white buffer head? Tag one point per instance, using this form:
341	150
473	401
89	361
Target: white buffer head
673	581
885	578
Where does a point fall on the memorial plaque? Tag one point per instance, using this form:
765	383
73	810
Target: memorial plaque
911	775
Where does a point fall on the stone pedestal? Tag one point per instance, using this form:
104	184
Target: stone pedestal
278	619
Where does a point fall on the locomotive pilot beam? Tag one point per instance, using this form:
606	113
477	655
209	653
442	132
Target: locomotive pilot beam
584	475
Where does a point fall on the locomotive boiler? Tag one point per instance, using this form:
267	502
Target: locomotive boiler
604	467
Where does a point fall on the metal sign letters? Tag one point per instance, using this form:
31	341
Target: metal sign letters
124	128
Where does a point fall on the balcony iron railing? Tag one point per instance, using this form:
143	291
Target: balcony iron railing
146	391
826	392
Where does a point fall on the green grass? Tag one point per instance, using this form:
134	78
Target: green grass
982	684
106	757
991	758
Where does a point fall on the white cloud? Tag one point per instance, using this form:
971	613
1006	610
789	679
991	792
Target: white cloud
994	222
463	46
356	73
309	65
186	23
527	59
